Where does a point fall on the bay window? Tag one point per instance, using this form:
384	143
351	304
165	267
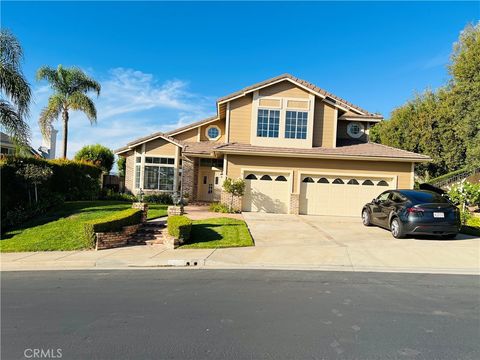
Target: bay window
158	173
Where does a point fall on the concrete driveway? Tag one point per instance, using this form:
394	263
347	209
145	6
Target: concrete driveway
343	242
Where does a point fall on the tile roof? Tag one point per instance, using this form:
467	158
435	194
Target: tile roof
192	125
355	150
144	139
202	147
301	82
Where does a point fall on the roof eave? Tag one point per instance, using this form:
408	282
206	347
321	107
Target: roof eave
325	156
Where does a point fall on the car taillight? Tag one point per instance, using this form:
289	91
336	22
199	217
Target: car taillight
415	211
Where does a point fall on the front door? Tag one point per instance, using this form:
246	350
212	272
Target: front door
210	185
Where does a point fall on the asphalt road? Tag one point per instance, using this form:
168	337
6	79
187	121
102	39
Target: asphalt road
217	314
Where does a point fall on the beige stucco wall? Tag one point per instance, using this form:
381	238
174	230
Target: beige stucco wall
160	147
400	169
189	135
284	88
220	124
240	119
324	124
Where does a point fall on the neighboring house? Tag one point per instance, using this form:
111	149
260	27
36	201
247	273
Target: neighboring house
8	147
47	150
300	149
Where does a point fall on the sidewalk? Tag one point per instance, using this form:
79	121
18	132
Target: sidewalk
333	258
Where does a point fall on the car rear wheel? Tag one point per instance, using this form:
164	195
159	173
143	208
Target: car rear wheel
366	217
396	227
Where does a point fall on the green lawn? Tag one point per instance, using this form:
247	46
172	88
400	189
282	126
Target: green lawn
218	233
62	228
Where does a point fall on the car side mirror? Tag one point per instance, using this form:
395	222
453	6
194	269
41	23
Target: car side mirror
375	201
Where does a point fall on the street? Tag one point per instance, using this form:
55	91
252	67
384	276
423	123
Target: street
239	314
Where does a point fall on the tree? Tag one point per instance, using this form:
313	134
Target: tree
15	87
70	87
122	165
234	187
98	155
36	175
443	124
465	88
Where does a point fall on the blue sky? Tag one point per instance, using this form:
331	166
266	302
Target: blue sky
162	65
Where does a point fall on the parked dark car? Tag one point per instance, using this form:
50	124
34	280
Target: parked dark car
413	212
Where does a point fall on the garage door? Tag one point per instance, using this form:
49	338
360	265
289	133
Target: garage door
339	195
266	192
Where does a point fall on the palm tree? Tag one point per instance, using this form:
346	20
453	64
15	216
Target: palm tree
70	86
15	89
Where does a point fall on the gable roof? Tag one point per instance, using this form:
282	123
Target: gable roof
332	99
329	97
192	125
139	141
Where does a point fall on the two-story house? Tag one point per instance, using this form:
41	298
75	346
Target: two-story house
300	149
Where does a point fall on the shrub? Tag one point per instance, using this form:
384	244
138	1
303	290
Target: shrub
179	227
234	187
114	222
69	180
98	155
109	194
219	208
160	198
466	193
17	215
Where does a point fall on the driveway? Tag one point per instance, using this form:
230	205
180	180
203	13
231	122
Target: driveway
343	242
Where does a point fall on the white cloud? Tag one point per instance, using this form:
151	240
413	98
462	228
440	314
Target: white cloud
131	104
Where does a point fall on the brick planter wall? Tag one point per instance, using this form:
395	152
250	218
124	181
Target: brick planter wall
144	208
175	210
108	240
226	198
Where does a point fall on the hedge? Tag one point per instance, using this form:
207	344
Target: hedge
447	176
70	180
114	222
159	198
179	227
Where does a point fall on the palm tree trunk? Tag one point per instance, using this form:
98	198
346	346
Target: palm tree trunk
65	132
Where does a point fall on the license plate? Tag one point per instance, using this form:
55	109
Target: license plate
438	215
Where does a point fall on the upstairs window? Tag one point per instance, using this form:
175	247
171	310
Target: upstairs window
296	125
213	132
267	123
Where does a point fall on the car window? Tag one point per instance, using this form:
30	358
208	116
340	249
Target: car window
383	196
426	197
397	198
